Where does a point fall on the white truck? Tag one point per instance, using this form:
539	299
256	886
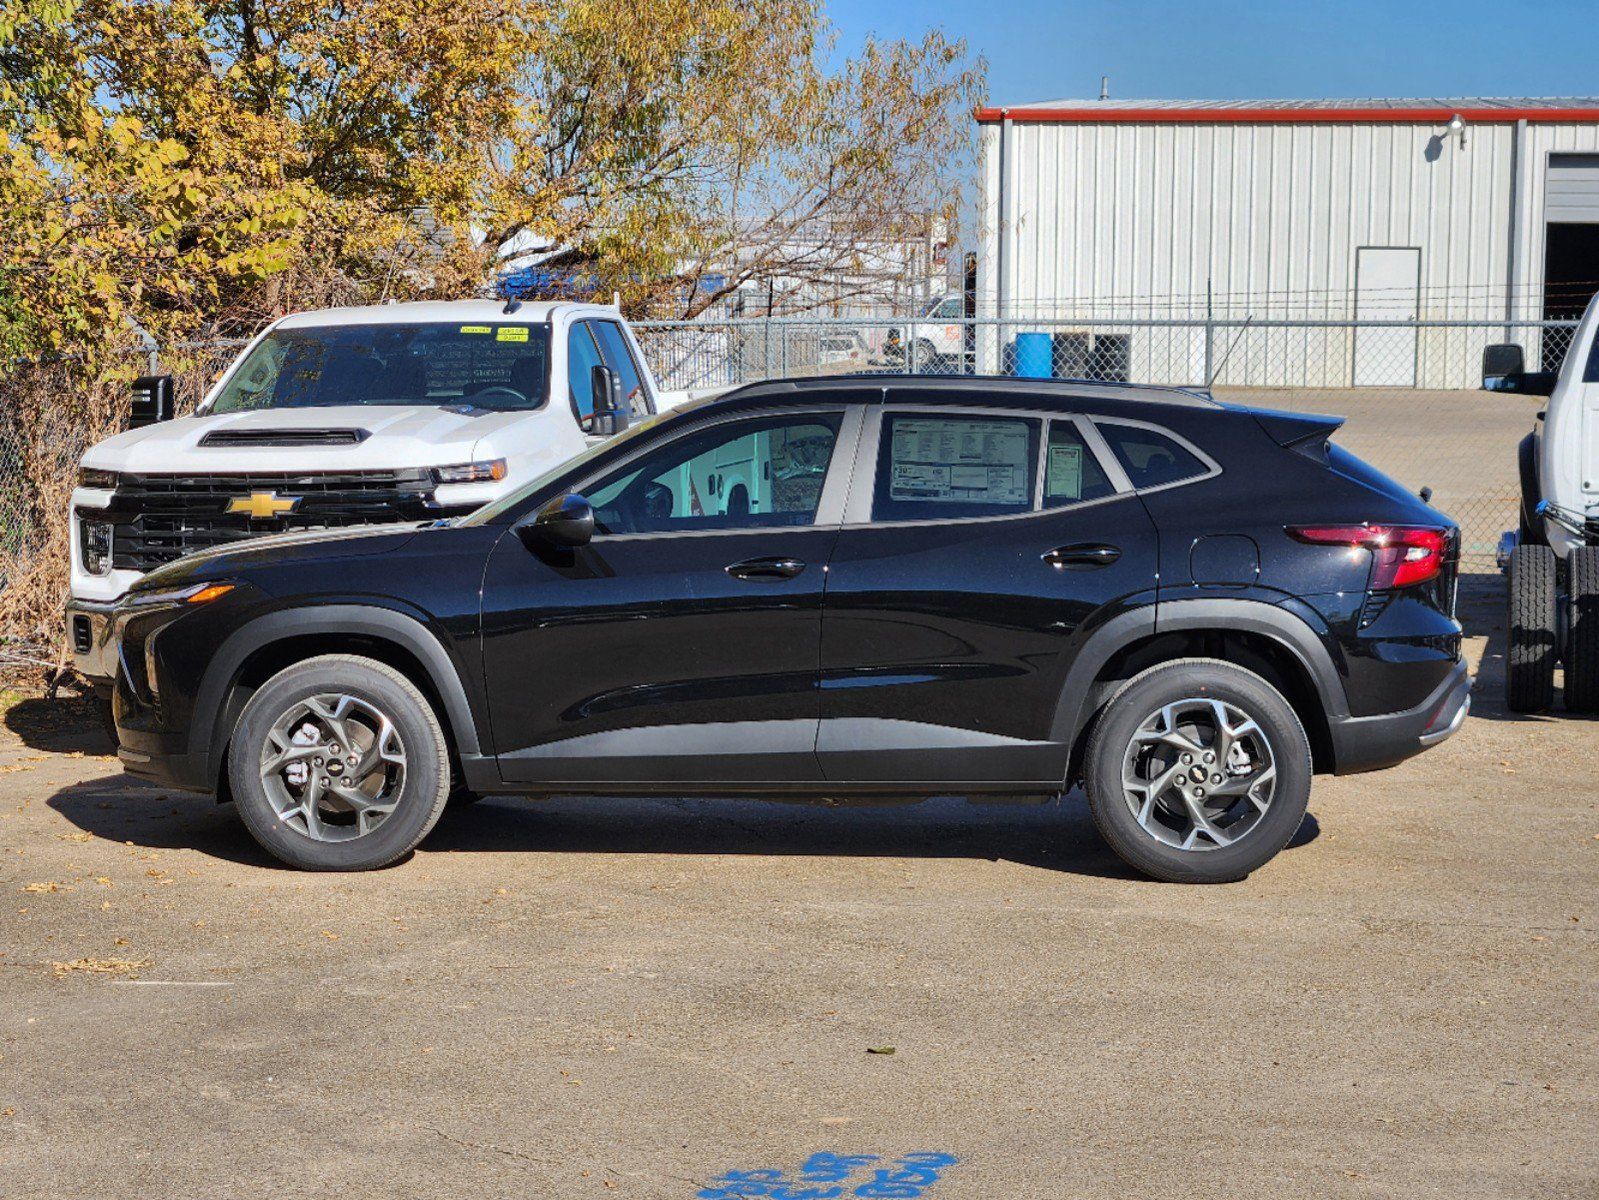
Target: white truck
1552	558
350	416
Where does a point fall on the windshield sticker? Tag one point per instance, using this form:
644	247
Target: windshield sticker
476	329
511	333
960	461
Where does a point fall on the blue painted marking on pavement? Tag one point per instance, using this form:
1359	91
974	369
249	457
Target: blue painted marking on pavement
829	1176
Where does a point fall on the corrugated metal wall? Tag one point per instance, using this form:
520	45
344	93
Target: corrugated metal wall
1135	220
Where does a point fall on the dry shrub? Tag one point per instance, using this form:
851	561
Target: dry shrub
52	413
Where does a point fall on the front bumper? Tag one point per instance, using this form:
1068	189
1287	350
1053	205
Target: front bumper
1371	743
89	633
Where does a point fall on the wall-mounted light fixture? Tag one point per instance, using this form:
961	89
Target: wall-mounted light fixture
1457	128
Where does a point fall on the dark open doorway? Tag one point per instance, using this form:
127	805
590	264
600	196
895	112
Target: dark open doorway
1571	269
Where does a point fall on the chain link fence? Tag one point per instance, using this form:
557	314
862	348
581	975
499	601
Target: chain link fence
1409	391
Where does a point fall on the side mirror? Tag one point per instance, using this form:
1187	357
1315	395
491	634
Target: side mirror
568	520
1504	369
610	414
152	401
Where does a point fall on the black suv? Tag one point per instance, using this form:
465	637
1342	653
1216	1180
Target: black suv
824	588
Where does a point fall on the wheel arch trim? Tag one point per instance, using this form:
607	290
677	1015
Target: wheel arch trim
360	620
1283	626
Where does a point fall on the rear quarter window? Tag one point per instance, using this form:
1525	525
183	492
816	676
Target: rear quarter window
1151	458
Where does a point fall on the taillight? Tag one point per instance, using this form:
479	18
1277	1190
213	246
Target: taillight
1401	555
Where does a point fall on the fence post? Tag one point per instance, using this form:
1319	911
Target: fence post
1210	331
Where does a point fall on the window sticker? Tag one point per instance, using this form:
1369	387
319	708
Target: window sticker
1065	477
511	333
476	329
960	461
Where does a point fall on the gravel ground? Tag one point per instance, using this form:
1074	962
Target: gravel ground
580	998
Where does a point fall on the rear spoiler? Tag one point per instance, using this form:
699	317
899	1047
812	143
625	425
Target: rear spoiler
1304	432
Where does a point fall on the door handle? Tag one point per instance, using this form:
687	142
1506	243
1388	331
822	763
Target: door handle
766	568
1081	557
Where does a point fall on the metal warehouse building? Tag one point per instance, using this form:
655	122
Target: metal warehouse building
1286	213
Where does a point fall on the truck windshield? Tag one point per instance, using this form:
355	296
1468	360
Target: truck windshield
501	367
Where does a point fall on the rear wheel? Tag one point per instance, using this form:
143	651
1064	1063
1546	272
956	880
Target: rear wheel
1198	771
1530	630
1582	631
339	764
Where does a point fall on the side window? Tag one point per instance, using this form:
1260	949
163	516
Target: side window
945	467
1071	472
1149	457
950	310
619	357
748	474
582	356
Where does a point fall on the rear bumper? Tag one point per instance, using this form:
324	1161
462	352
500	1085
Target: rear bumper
1371	743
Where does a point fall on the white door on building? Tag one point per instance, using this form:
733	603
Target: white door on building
1387	288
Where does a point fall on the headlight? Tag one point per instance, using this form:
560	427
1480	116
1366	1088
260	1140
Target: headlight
94	545
95	477
489	471
195	593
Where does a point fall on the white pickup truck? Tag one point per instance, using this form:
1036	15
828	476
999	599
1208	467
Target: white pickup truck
1552	558
350	416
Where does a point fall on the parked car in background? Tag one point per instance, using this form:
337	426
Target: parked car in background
1552	558
350	416
898	588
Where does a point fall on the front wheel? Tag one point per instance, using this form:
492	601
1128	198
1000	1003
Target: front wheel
1198	771
339	763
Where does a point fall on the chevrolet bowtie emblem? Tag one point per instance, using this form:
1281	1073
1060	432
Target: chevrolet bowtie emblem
263	505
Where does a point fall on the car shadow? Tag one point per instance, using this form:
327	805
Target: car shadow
1057	836
64	725
1481	608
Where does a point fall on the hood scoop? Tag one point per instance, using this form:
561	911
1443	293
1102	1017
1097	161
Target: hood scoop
251	438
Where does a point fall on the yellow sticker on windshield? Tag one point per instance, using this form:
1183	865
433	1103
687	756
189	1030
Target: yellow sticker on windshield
476	329
511	333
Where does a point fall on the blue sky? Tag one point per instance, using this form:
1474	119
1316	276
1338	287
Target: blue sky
1046	49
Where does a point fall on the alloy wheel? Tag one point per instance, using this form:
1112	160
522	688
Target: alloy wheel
333	767
1199	774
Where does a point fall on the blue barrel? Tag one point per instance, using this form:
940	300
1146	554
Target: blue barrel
1035	356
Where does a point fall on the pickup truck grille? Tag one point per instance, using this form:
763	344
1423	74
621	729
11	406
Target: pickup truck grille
159	518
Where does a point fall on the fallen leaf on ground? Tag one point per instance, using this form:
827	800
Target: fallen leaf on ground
879	1049
100	966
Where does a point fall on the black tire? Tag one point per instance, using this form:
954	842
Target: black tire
1582	630
421	796
1530	631
106	716
1170	683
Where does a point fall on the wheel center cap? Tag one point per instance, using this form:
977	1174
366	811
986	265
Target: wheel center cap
335	768
1197	774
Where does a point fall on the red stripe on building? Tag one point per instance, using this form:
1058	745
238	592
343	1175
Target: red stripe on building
1282	116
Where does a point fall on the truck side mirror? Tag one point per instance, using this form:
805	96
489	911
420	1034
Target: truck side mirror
610	413
1504	369
152	401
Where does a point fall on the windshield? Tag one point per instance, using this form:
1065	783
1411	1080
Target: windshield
500	367
495	509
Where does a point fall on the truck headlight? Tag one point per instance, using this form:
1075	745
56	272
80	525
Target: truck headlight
94	545
95	477
488	471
